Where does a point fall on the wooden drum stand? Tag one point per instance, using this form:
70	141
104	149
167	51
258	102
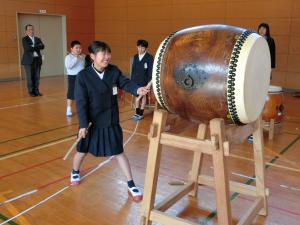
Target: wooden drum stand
218	147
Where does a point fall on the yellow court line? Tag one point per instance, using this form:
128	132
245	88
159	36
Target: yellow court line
53	143
266	163
296	165
241	157
12	209
273	152
38	148
143	135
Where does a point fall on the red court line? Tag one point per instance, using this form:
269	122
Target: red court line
63	178
39	164
30	167
135	165
269	205
275	207
52	182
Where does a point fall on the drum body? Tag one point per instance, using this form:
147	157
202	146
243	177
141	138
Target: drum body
212	71
274	105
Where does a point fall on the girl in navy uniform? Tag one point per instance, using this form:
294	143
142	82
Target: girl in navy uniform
96	102
264	30
141	74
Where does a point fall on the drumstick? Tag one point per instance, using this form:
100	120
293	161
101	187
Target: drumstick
148	86
74	145
175	182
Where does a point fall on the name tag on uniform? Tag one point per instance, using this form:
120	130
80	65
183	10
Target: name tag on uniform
145	66
115	90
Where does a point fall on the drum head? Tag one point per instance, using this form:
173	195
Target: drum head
248	78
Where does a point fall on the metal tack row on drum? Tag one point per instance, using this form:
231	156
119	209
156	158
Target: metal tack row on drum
213	71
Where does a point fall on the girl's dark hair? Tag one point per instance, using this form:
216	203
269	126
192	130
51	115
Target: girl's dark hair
142	43
265	25
98	46
75	42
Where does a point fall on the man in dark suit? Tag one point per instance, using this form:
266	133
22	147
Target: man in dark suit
32	60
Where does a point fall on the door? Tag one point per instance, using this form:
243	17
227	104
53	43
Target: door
50	29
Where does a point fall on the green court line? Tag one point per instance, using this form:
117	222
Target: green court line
287	132
34	134
44	143
249	181
4	218
35	146
45	131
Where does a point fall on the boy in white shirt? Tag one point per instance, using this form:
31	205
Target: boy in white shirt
74	63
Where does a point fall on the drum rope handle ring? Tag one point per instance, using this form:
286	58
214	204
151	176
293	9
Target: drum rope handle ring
232	74
158	69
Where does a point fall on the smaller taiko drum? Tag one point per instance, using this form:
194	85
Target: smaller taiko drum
274	105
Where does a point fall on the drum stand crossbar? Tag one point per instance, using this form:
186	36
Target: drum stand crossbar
218	148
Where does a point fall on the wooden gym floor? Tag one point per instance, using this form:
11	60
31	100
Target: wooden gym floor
35	134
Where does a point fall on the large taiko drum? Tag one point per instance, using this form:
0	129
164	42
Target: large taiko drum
213	71
274	105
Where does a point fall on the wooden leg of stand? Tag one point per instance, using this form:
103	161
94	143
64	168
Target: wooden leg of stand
271	129
197	161
258	148
154	155
217	130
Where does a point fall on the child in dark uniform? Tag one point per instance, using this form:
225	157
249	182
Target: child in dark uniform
141	74
97	103
264	30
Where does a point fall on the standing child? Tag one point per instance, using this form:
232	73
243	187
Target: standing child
264	30
141	74
96	102
74	63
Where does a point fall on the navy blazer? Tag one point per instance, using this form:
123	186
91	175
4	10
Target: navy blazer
94	97
27	58
142	70
272	48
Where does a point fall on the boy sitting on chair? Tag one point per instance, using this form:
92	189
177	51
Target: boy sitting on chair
141	74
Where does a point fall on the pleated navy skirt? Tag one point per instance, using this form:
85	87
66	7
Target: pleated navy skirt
102	142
